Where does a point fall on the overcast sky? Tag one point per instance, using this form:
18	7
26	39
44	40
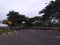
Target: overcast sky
29	8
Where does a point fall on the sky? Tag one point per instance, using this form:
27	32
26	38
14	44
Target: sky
29	8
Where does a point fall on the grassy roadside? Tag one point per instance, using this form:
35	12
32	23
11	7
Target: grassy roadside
6	31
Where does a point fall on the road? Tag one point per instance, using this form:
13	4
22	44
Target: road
31	37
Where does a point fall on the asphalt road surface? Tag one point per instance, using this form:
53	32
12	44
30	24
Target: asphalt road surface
31	37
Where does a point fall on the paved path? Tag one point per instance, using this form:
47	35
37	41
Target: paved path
31	37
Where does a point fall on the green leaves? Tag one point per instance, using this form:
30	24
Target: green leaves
15	17
51	10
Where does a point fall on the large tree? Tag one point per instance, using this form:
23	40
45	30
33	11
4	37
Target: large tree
51	11
15	18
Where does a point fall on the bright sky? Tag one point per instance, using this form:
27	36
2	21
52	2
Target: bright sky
29	8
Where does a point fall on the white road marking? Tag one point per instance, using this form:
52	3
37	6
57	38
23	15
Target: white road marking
50	30
16	32
57	36
33	31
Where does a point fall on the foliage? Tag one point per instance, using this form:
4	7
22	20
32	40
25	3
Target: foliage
51	11
5	21
15	18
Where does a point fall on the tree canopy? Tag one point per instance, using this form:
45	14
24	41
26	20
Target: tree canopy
51	11
15	18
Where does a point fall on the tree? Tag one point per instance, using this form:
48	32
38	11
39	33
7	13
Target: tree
35	21
47	11
51	12
15	18
4	21
28	22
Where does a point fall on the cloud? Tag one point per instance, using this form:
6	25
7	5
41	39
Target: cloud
29	8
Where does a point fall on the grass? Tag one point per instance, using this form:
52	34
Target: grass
6	31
